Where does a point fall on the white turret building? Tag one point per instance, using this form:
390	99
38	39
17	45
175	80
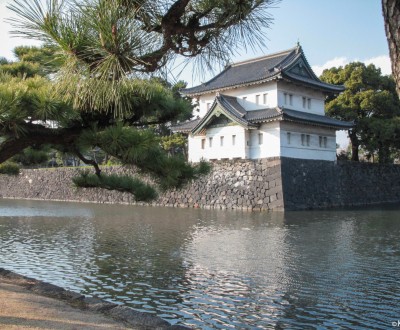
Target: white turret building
272	106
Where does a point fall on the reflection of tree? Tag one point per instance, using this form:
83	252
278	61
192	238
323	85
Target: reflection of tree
140	247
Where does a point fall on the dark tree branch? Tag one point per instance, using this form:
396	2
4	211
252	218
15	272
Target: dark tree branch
38	135
88	161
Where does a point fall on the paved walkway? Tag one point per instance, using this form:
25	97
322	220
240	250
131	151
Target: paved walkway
22	309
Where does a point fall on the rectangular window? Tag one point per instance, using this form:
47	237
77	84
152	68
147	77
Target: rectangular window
305	140
290	99
288	137
323	142
203	143
265	98
304	102
210	142
233	140
208	106
260	138
221	140
257	99
285	98
309	103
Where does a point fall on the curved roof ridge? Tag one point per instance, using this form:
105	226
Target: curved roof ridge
261	58
263	69
235	105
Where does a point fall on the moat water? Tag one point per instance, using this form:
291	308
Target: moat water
215	269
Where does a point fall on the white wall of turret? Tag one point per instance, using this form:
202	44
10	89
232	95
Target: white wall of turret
272	139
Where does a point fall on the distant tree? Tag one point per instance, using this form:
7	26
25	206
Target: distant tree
370	100
101	96
391	15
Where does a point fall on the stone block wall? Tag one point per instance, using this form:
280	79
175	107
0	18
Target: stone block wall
311	184
240	184
255	185
248	185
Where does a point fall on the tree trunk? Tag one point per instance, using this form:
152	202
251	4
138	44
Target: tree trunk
391	15
354	146
384	153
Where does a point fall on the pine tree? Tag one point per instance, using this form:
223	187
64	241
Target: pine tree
92	78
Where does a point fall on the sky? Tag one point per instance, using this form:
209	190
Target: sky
332	33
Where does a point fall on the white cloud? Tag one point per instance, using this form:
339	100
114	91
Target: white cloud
382	62
336	62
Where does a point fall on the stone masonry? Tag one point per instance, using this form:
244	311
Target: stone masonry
254	185
240	184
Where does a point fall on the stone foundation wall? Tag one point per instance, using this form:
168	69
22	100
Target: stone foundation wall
248	185
311	184
269	184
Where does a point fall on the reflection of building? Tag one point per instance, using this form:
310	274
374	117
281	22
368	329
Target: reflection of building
272	106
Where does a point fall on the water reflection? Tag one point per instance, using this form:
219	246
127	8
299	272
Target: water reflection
215	269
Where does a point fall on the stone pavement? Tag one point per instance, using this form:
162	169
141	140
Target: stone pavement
22	309
26	303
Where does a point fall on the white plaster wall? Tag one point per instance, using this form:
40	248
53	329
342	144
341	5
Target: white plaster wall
298	92
216	151
204	101
314	151
250	92
270	146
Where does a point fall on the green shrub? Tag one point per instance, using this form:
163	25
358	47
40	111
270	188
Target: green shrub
9	168
124	183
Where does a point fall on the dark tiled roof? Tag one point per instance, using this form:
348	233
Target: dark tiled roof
300	116
251	119
232	104
185	127
262	69
230	107
264	114
311	82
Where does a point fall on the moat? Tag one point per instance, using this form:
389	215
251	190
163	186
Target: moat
215	269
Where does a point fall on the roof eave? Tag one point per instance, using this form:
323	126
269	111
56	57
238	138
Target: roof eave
328	88
213	111
244	84
320	124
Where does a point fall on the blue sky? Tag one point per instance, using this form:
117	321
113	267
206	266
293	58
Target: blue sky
331	32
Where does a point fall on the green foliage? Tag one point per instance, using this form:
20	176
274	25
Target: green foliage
142	149
174	142
20	69
99	96
29	99
31	156
32	61
9	168
371	101
141	191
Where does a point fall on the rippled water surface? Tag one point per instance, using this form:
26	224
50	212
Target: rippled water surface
215	269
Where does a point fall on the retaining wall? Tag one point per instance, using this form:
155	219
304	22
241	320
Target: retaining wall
269	184
249	185
311	184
